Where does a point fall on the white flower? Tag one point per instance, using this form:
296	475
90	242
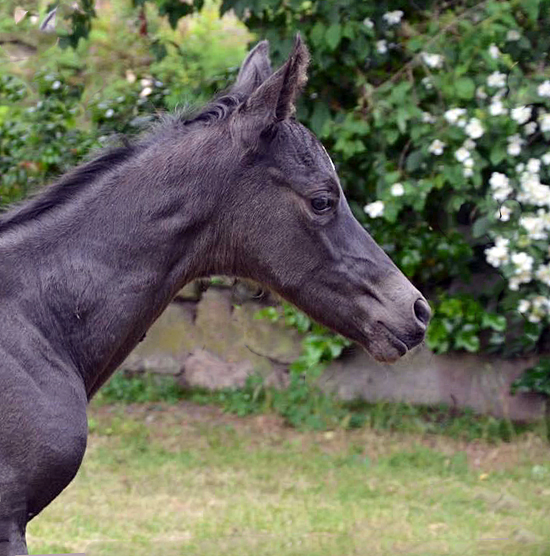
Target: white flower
515	143
534	226
467	172
397	190
533	317
524	305
367	22
513	35
543	89
543	274
469	144
514	149
427	82
374	210
521	114
469	163
56	85
522	272
381	47
109	113
530	128
544	122
480	93
498	255
454	114
494	52
523	262
146	82
520	167
428	118
503	213
496	79
436	147
532	191
130	76
498	180
432	60
462	154
146	92
393	18
474	128
496	108
533	165
540	307
500	186
546	158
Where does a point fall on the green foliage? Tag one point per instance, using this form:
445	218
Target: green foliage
458	323
38	140
125	388
536	379
304	408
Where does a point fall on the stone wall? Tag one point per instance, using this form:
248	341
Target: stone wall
211	339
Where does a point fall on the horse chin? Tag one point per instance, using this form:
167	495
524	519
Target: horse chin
384	346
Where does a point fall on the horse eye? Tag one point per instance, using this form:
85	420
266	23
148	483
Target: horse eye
321	204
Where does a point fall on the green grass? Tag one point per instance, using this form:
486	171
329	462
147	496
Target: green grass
305	407
187	479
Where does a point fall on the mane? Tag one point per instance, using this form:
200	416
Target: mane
68	186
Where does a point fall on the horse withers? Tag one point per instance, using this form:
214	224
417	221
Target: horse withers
240	188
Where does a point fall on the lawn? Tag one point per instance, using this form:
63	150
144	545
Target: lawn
186	479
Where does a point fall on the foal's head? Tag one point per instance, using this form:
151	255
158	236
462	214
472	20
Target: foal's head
289	225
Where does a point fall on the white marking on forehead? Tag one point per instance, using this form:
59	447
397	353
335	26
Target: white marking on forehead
329	159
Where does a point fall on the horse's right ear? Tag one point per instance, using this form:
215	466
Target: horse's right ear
274	100
255	70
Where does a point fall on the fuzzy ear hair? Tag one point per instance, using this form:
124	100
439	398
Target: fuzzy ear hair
255	69
274	100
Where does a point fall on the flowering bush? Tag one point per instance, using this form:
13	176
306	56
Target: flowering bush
439	121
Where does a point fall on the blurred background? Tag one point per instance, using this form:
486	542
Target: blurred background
240	426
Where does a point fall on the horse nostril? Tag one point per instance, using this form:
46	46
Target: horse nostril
422	311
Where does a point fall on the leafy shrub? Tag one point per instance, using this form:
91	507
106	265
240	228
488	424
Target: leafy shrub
124	388
38	140
458	324
535	379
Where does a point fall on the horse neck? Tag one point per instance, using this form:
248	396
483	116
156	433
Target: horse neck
105	264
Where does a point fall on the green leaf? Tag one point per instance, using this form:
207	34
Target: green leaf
497	155
465	87
494	322
468	340
317	34
333	35
319	117
481	226
414	160
531	8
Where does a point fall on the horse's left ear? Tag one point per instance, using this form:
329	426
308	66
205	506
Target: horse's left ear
274	100
255	70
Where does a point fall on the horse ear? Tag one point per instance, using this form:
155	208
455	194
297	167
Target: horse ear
274	100
255	69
